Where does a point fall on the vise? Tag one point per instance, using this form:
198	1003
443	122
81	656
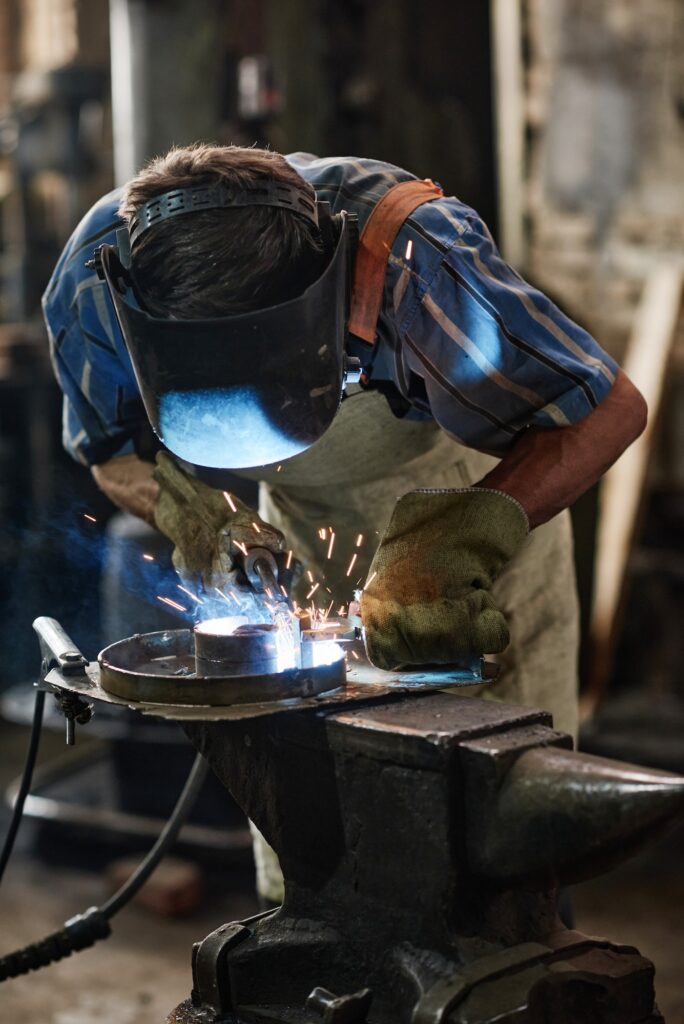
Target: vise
422	835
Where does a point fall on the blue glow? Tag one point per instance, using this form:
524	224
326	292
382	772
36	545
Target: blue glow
225	428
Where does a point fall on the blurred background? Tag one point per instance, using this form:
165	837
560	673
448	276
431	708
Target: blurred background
562	123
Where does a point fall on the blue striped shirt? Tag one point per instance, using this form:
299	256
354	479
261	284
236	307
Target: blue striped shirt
462	336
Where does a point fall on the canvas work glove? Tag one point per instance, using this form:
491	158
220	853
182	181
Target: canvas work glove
429	600
204	528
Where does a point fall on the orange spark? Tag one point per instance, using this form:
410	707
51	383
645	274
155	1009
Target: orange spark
241	546
91	518
359	540
230	501
174	604
368	583
409	249
310	575
256	526
331	544
189	593
313	590
149	558
289	560
351	564
355	655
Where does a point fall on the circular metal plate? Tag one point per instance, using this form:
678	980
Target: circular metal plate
160	668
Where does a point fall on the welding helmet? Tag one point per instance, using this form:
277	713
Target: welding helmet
248	389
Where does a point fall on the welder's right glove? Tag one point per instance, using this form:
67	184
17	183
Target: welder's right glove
428	601
207	532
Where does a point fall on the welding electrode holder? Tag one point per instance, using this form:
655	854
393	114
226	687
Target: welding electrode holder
267	573
261	570
59	651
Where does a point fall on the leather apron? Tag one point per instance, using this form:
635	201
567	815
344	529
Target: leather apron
350	480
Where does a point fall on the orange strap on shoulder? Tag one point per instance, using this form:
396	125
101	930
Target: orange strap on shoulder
376	241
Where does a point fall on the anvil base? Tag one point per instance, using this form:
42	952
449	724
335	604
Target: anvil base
573	980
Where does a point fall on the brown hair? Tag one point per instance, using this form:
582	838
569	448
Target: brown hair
216	262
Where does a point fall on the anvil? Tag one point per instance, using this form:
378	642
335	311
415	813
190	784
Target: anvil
422	841
423	836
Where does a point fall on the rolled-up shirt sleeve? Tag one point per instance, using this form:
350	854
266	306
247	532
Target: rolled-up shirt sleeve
99	410
494	354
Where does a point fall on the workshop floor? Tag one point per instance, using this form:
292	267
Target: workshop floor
143	970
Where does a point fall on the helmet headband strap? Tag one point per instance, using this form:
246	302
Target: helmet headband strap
219	197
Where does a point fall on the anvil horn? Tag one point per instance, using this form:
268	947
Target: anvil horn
560	816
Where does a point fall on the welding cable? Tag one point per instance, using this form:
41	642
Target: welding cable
86	929
167	837
26	777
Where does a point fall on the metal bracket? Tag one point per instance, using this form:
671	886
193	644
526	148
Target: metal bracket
352	369
349	1009
211	985
436	1004
58	651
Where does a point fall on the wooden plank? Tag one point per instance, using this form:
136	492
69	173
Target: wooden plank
623	487
509	100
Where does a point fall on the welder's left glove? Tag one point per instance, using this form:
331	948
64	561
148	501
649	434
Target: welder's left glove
207	532
428	600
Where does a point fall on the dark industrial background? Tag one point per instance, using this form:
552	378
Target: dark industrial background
562	123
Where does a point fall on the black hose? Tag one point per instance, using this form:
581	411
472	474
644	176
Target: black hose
167	837
26	777
86	929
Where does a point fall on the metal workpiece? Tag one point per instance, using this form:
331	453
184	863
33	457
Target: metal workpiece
156	674
238	669
396	824
250	649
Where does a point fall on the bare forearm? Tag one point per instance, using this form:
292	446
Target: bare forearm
547	470
128	482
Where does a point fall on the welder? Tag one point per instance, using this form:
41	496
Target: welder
418	416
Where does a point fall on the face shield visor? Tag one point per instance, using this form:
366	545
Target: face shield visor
245	390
